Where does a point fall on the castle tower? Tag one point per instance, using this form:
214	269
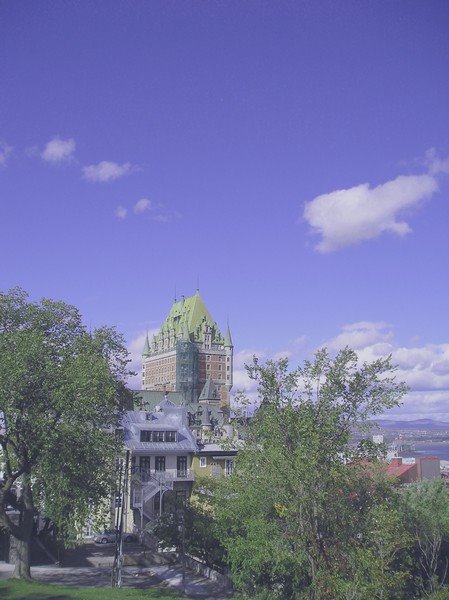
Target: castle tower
190	354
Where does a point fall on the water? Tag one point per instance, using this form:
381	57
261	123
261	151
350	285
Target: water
428	449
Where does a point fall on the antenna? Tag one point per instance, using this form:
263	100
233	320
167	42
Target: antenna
197	283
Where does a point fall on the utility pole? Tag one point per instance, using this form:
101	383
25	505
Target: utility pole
123	495
182	529
117	502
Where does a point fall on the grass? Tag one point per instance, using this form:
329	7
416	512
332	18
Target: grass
13	589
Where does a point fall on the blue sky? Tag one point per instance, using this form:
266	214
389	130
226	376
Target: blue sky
292	155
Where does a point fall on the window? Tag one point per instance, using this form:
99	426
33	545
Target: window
219	367
208	366
145	435
203	461
158	436
227	368
181	466
171	436
159	463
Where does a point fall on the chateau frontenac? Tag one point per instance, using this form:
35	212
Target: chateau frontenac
190	356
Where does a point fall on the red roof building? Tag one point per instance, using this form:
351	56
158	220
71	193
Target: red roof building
427	467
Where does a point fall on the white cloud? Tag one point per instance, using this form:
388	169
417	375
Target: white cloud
121	212
107	171
142	205
5	152
424	368
242	382
300	341
359	335
423	405
58	150
282	354
436	164
158	211
166	216
349	216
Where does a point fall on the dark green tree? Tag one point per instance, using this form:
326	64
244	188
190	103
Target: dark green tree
197	517
61	396
426	505
299	503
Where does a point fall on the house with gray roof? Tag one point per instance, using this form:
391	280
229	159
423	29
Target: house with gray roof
161	447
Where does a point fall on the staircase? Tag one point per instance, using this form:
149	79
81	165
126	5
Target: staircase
145	488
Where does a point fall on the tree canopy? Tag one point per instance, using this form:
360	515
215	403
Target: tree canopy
61	396
296	514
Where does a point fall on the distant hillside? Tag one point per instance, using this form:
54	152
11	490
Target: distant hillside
416	424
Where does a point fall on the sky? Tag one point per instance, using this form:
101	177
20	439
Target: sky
291	157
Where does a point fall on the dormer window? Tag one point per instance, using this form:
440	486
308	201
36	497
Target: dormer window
147	435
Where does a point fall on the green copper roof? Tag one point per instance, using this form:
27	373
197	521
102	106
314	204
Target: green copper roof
146	347
189	316
228	338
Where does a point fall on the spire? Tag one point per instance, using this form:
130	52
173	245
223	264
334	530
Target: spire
228	338
146	347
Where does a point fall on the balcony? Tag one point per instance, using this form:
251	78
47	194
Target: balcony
144	476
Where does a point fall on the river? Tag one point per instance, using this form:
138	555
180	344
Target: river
440	449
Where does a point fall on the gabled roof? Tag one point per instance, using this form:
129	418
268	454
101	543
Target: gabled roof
168	417
400	470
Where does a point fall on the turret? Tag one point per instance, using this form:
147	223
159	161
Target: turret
228	339
146	347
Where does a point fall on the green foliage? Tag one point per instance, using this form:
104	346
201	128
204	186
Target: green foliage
427	507
61	395
441	594
200	536
301	509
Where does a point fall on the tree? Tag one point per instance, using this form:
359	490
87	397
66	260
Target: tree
61	393
298	504
197	518
427	507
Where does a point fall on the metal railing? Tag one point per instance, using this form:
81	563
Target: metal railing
143	475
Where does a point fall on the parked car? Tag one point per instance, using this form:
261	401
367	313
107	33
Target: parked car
110	536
